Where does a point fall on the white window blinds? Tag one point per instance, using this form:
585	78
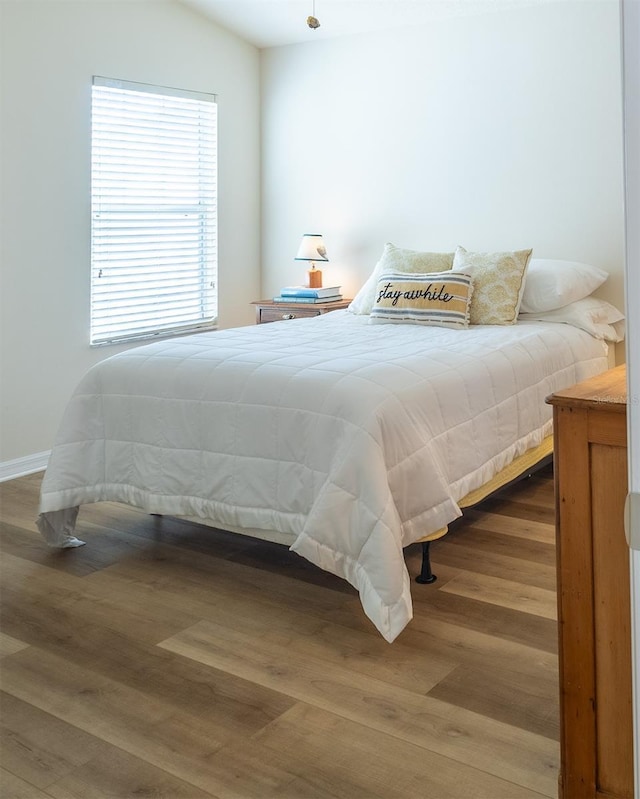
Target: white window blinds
153	211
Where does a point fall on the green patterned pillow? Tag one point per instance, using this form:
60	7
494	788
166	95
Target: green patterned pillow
440	299
498	284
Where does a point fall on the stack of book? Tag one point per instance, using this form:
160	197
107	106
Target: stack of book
305	294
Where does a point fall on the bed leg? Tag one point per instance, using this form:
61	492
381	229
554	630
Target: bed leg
426	575
157	525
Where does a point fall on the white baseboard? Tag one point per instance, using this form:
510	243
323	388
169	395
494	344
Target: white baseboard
37	462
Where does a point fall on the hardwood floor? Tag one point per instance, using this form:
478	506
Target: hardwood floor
188	663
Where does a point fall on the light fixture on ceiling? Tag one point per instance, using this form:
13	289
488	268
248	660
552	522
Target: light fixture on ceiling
312	21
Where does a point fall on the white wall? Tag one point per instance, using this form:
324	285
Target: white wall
50	51
495	131
492	131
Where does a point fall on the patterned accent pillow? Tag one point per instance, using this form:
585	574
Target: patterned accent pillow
441	299
396	259
498	284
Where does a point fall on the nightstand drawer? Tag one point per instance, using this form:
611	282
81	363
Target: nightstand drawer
277	314
270	311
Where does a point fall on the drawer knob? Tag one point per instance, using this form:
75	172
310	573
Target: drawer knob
288	316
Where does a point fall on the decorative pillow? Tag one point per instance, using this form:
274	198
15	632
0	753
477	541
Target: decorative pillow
552	284
498	284
440	298
597	317
395	259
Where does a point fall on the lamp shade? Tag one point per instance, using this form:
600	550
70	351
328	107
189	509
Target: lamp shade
312	248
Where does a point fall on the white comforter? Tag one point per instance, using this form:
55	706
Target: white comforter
354	439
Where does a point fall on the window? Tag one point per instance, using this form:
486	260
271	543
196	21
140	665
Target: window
153	211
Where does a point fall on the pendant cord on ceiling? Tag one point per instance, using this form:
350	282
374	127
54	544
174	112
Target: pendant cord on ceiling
312	21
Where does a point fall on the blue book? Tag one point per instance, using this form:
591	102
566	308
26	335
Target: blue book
304	291
333	298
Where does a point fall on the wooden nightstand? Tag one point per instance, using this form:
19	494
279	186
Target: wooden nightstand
270	311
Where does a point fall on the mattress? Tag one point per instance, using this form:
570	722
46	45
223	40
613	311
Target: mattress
350	439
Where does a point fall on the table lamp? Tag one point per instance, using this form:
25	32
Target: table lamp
312	249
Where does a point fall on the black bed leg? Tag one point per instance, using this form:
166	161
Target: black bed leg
157	525
426	575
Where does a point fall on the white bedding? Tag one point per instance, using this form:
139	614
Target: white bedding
353	439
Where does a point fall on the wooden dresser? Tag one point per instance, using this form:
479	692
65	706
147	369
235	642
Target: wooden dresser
594	622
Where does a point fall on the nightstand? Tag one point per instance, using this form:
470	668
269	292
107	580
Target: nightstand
270	311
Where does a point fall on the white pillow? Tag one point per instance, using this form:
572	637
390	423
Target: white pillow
552	284
396	259
597	317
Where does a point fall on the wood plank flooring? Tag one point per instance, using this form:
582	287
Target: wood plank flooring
177	662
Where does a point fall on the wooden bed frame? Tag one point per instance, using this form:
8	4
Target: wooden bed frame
523	466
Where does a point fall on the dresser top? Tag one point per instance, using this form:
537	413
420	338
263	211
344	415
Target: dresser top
607	390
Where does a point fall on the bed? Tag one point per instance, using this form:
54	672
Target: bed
345	440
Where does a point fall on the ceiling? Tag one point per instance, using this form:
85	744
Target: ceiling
271	23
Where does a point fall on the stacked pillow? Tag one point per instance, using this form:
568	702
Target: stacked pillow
559	291
498	284
596	316
552	284
396	259
428	298
485	288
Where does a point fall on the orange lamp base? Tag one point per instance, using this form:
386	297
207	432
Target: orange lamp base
315	278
